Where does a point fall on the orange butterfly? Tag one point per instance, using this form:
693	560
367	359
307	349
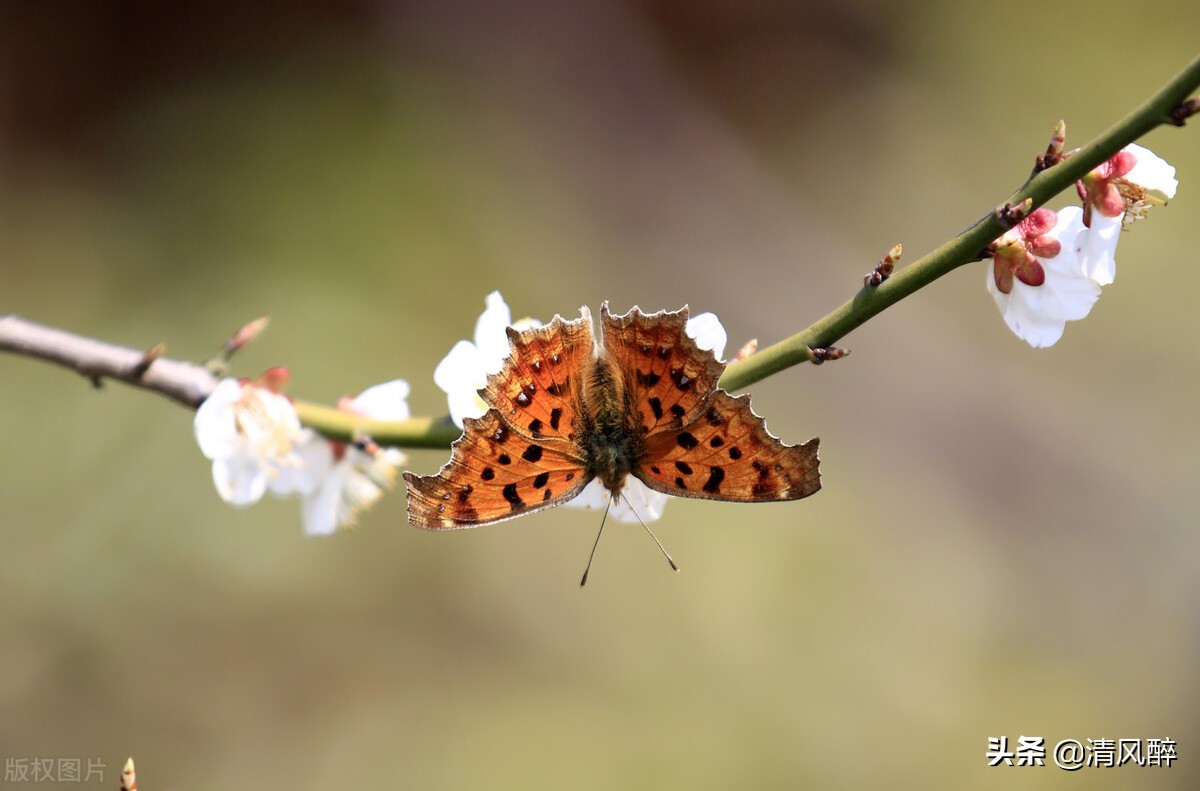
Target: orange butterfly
645	403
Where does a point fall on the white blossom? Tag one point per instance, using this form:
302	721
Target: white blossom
1036	276
250	434
338	481
1115	194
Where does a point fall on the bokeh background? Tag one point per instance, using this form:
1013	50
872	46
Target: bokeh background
1006	543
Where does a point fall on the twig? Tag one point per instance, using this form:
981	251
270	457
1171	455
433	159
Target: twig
1161	108
190	383
184	382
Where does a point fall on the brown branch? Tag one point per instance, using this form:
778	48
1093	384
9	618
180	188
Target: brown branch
184	382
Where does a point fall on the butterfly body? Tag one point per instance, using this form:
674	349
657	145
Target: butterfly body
644	402
612	447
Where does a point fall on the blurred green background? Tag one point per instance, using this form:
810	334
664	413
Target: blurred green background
1006	542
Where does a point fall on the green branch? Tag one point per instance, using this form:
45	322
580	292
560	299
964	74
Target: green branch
964	248
868	302
421	432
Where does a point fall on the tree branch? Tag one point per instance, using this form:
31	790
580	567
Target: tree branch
184	382
190	384
964	249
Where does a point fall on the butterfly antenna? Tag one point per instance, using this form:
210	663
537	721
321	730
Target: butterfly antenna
661	548
595	544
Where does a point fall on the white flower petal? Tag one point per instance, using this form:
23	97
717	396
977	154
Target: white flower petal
240	479
320	508
1151	171
594	495
305	471
464	405
462	368
1097	247
490	336
348	487
278	411
1073	297
708	333
1036	327
1034	330
460	375
215	425
465	369
636	500
388	401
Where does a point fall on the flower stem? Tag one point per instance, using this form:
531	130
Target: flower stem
964	248
421	432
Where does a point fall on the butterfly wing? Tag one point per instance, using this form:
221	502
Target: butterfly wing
699	440
728	454
668	378
537	390
494	473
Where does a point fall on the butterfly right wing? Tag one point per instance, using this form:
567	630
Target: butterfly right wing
493	474
728	454
668	378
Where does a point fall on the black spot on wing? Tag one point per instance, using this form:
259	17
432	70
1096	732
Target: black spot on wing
514	499
682	381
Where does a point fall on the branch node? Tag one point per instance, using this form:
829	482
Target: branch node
750	348
1184	111
1009	215
218	364
148	357
883	270
821	354
1054	151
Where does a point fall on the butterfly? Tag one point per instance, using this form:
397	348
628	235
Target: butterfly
644	402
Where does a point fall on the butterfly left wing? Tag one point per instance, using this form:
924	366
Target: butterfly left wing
538	389
728	454
494	473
